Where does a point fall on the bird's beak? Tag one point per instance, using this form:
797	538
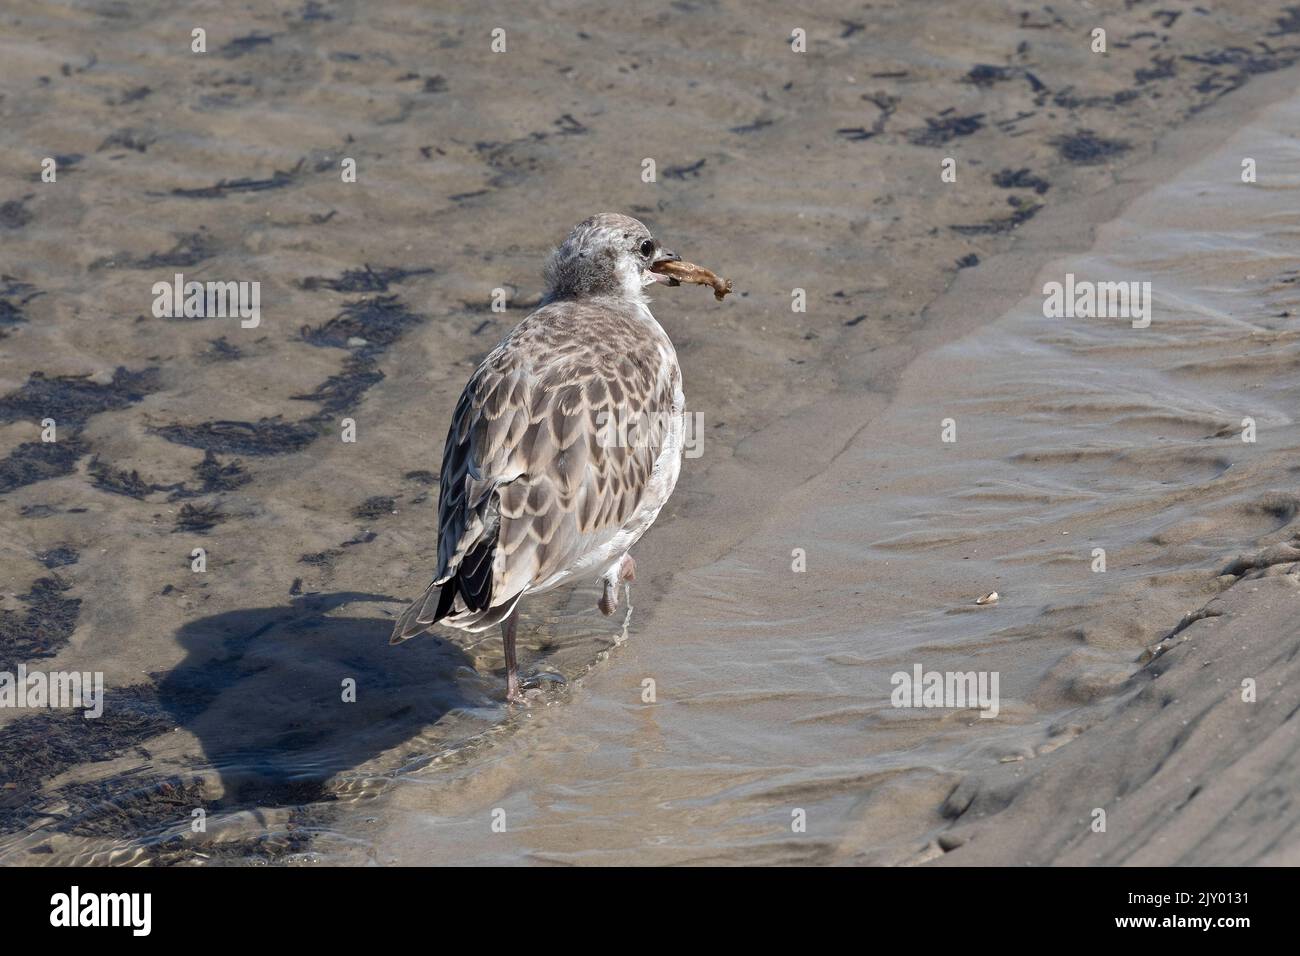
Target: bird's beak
665	255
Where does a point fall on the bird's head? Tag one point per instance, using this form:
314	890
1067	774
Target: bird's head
606	255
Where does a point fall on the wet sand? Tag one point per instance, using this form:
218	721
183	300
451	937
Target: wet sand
1187	771
816	172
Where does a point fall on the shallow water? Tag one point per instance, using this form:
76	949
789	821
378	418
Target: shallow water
822	427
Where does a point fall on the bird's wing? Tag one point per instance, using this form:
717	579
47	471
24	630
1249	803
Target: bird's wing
552	445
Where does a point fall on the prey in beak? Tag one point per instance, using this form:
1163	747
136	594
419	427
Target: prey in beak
668	267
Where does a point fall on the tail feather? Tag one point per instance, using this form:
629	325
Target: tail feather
408	625
413	622
423	613
463	599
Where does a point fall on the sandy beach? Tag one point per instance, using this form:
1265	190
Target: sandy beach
823	434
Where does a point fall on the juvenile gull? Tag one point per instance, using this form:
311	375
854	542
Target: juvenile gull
564	445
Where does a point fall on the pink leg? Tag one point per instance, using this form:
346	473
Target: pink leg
608	602
508	628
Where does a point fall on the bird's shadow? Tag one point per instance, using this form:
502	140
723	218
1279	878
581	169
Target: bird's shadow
283	698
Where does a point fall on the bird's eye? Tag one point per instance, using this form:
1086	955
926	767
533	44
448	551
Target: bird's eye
648	248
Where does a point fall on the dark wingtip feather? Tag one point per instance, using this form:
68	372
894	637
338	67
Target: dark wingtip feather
407	626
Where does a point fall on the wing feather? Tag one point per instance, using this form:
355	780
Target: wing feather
549	452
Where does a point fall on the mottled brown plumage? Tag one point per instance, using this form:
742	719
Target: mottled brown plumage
564	444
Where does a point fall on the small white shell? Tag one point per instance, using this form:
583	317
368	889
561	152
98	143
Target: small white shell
990	598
